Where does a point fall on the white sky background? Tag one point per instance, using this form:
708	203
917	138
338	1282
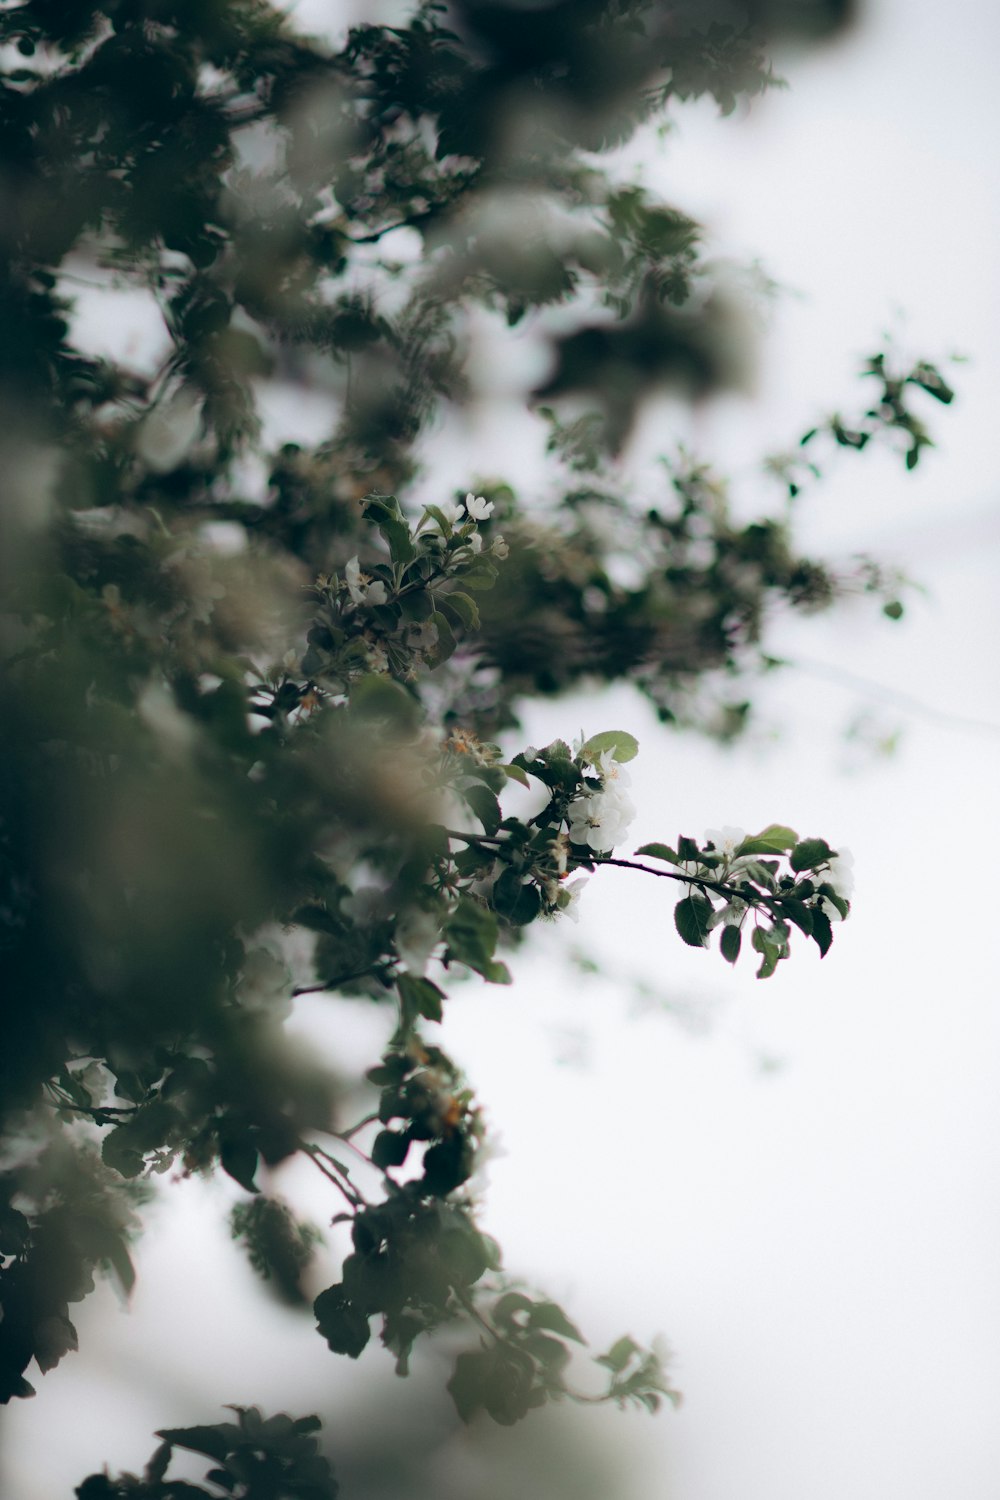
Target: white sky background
807	1199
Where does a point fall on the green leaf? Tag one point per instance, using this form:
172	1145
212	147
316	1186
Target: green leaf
239	1159
117	1151
516	774
659	851
438	516
419	997
810	853
390	1148
516	899
485	806
619	1354
730	942
774	839
822	931
798	912
387	517
446	643
840	902
120	1261
215	1442
472	932
549	1315
691	917
623	746
344	1326
479	575
462	606
770	953
379	697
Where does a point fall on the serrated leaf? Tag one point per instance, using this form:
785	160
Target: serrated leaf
659	851
691	918
623	746
822	931
472	932
774	839
730	942
485	806
419	997
462	606
769	952
810	853
344	1326
840	902
798	912
516	774
551	1316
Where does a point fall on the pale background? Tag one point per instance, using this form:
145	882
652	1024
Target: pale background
803	1195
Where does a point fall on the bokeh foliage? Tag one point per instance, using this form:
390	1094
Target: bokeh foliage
233	707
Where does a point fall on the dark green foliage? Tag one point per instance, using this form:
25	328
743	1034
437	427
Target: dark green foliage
206	746
253	1458
278	1246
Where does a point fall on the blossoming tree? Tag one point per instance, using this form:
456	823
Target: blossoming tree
234	709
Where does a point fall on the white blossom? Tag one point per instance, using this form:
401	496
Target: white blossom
360	587
475	542
726	841
600	819
569	897
451	511
839	875
500	548
478	507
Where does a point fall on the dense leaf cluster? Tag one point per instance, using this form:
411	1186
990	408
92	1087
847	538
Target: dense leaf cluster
258	711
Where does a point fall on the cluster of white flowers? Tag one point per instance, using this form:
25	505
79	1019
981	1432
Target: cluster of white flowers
600	819
473	508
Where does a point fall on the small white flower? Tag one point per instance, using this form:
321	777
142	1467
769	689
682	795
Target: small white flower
841	873
475	542
569	897
360	586
352	577
500	548
451	511
601	819
478	507
611	770
726	841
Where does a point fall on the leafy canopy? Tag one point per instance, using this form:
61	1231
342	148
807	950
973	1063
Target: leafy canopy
250	692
